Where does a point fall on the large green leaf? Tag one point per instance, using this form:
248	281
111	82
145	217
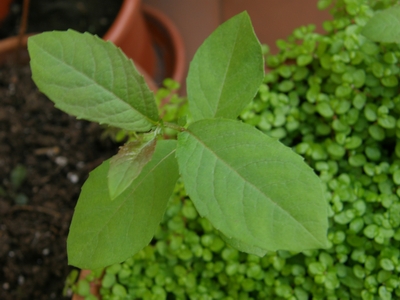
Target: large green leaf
105	232
127	164
226	71
91	79
243	246
384	26
252	188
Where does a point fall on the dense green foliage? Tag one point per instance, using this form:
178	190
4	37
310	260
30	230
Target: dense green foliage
335	99
259	194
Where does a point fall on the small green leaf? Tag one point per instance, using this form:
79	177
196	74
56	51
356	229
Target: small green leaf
384	26
353	142
357	160
286	86
359	101
119	290
387	121
21	199
304	59
390	81
18	176
91	79
371	231
387	264
370	112
243	247
359	78
316	268
108	280
343	91
390	58
351	281
384	293
226	71
376	132
323	4
396	177
116	230
251	187
325	109
336	150
83	288
127	165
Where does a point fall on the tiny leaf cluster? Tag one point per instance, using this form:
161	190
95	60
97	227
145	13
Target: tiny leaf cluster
260	195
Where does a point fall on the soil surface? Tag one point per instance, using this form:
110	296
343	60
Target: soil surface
56	152
45	157
93	16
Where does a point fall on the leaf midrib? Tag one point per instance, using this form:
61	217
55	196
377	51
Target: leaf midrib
227	70
222	89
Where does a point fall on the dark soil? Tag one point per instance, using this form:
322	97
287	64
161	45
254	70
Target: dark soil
93	16
57	151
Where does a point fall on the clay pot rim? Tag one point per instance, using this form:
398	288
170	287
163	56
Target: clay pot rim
10	44
4	8
116	30
130	32
176	40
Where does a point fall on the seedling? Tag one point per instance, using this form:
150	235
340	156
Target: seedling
17	178
258	193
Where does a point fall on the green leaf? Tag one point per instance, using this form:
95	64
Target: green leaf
105	232
83	288
304	59
226	71
384	26
127	165
323	4
251	187
91	79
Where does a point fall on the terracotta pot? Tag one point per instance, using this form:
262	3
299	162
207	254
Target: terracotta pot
168	44
151	39
129	32
8	49
4	8
145	35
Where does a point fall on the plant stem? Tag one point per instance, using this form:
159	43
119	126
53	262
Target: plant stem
174	126
23	25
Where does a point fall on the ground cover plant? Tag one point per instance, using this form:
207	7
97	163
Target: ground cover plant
333	98
258	193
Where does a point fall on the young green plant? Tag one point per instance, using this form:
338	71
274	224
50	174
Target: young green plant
256	192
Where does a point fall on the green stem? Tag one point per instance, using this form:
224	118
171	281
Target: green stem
174	126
